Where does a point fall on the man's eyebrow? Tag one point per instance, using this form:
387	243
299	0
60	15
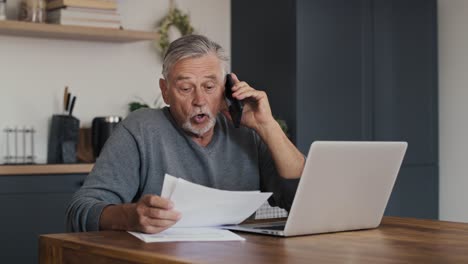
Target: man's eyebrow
212	77
181	78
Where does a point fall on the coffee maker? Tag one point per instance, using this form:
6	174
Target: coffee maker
101	130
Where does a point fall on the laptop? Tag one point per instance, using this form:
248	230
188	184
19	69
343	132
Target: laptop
344	186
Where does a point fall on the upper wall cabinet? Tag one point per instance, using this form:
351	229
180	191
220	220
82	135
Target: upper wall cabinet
53	31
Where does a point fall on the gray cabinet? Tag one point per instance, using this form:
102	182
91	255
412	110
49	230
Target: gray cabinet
405	99
32	205
350	70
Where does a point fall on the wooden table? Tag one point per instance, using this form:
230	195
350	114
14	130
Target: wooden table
397	240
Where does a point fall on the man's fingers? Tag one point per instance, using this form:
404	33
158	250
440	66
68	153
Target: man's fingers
156	207
162	214
160	222
158	202
240	85
257	95
154	214
149	229
234	78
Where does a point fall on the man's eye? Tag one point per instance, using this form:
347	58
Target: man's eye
210	87
185	89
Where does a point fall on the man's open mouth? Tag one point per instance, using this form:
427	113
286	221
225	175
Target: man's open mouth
200	118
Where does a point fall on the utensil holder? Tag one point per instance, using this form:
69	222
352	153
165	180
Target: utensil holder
63	139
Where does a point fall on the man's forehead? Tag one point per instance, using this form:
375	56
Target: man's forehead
184	76
208	66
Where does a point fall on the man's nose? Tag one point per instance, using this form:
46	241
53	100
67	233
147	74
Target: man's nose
199	97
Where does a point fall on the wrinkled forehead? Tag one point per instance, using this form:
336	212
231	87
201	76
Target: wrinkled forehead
208	66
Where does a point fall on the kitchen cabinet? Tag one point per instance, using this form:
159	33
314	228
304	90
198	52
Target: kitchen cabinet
32	205
350	70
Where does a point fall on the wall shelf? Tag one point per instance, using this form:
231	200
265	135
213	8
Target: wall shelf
40	30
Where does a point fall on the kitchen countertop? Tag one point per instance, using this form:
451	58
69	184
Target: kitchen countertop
37	169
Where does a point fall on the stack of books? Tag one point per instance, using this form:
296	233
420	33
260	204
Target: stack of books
91	13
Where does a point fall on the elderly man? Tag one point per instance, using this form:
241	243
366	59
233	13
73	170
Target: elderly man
190	139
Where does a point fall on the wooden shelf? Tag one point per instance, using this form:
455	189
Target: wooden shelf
8	170
40	30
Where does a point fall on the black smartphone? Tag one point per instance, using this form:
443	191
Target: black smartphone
235	106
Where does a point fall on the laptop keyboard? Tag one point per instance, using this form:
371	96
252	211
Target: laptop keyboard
273	227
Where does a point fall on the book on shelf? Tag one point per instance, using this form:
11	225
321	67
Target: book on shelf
98	4
83	22
73	9
66	13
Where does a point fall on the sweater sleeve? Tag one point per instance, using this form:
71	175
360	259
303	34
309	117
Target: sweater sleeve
114	180
270	181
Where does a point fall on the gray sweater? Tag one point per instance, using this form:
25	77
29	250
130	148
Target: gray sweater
149	143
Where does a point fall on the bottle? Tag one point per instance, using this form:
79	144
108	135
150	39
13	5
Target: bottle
33	11
2	9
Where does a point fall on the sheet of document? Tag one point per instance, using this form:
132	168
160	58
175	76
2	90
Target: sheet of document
201	206
202	210
189	234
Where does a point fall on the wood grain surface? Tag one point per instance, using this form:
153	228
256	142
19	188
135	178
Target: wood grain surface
41	30
397	240
8	170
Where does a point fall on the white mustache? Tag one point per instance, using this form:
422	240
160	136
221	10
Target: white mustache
201	111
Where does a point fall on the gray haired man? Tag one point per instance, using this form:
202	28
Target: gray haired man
193	139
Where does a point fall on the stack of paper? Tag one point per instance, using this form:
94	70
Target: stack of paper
201	206
190	234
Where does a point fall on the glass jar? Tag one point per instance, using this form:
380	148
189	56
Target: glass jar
33	11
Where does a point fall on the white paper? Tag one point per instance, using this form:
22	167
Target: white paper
189	234
201	206
169	184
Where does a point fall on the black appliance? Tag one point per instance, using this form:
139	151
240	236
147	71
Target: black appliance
102	128
63	139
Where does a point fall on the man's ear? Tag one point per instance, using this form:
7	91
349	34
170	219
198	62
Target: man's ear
163	86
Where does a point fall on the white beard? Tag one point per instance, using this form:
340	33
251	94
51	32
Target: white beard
187	125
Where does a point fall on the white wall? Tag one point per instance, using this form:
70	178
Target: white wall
104	76
453	109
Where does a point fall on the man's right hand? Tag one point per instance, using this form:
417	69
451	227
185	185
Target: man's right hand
151	214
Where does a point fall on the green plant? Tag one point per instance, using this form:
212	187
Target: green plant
283	125
140	103
132	106
175	18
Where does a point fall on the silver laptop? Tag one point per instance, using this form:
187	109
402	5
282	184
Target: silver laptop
344	186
